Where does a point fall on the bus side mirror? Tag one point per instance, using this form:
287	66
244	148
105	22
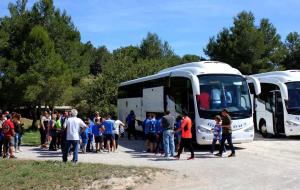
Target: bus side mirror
256	84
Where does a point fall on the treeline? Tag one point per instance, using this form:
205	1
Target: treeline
43	61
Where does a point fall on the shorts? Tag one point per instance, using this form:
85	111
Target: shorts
9	141
99	139
108	137
152	138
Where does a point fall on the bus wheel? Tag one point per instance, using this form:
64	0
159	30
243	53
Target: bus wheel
263	130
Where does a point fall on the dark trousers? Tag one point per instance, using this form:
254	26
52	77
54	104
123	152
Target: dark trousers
228	137
53	143
186	143
89	146
117	140
43	133
159	145
131	131
1	143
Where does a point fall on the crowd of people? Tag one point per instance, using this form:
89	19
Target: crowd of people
168	135
69	133
11	132
164	135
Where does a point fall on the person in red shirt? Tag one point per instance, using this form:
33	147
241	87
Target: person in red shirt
186	138
9	133
204	100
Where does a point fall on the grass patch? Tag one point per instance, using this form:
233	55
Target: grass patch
27	123
21	174
31	138
31	135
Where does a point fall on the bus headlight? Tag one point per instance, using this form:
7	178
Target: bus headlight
289	122
203	130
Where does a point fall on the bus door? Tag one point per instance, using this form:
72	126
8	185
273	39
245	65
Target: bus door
278	112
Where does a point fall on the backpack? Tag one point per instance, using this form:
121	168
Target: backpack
5	127
152	127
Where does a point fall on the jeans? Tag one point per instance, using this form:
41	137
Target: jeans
75	144
168	139
18	138
228	137
213	145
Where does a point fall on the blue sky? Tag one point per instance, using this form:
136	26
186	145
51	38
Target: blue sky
185	24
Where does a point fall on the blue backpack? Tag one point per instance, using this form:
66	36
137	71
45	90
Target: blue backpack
152	127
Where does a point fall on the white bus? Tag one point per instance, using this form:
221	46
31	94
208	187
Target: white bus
277	109
201	88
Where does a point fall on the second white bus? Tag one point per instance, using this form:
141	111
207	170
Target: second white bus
277	108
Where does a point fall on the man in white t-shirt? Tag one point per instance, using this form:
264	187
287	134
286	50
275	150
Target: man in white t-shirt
74	126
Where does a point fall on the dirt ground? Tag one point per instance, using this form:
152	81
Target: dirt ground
272	163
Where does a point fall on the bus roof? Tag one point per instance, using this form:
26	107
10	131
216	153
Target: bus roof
280	76
195	68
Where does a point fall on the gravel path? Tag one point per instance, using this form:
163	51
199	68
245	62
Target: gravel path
264	164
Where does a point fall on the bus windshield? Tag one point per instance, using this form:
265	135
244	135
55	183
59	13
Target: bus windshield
223	91
293	104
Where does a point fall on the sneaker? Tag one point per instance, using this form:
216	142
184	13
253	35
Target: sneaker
219	155
177	157
231	155
12	157
190	158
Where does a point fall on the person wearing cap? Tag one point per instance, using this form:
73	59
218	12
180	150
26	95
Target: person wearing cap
186	138
9	133
226	133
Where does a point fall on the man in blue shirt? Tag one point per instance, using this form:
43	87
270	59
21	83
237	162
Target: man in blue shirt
130	122
108	126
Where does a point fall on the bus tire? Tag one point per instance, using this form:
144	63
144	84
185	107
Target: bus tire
263	129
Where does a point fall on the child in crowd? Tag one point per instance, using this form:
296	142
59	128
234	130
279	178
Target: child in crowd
84	139
96	132
217	133
90	145
178	134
